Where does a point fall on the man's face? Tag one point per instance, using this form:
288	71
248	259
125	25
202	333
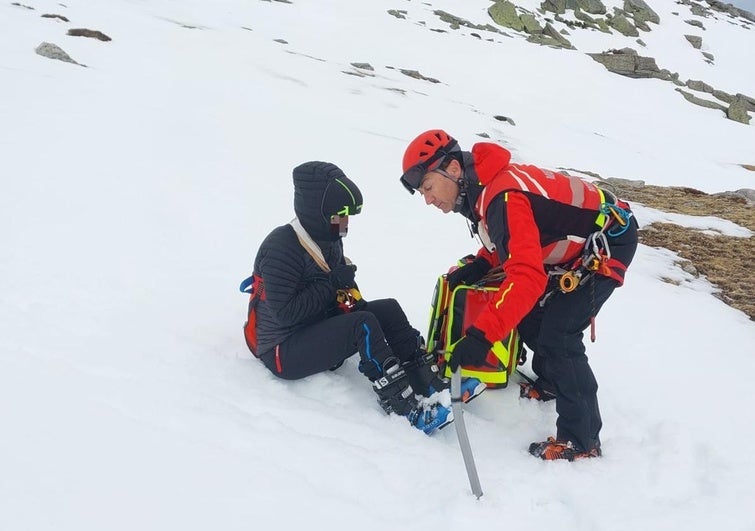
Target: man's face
440	190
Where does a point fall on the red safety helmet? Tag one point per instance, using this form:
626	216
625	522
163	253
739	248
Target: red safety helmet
425	153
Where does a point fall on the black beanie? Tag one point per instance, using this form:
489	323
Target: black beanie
322	190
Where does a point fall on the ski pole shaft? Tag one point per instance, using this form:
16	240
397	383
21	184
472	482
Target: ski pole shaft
461	432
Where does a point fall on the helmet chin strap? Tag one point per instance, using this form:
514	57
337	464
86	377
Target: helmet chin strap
463	197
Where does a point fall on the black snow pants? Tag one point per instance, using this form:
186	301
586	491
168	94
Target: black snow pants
379	331
554	332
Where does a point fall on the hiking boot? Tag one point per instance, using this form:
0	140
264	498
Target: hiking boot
552	449
534	392
395	395
426	380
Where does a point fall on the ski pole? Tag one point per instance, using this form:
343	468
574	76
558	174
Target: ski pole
461	432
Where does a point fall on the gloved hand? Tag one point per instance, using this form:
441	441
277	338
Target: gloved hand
472	349
468	273
342	276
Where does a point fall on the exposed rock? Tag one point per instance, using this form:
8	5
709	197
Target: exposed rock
689	267
695	41
53	51
695	23
709	56
584	17
456	22
641	12
551	37
363	66
725	7
699	10
622	24
504	14
603	25
594	7
281	41
724	96
700	101
483	135
93	34
531	25
555	6
398	13
22	5
750	101
699	85
501	118
642	25
737	111
625	183
416	75
641	43
627	62
50	15
747	193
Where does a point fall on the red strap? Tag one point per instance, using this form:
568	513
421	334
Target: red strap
614	269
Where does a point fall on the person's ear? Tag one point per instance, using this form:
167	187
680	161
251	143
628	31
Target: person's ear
454	169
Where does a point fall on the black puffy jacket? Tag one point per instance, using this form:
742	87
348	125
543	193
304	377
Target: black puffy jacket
298	293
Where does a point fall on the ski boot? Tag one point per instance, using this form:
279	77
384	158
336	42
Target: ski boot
395	395
425	377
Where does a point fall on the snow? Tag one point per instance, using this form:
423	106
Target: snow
135	194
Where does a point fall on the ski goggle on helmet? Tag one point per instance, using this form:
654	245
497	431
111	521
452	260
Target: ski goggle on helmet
426	153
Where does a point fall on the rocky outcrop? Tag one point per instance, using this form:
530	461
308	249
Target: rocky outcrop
504	14
721	7
92	34
622	24
53	51
701	101
551	37
641	12
737	110
695	41
627	62
700	86
457	22
554	6
594	7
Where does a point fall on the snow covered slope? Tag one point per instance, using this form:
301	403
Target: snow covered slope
136	191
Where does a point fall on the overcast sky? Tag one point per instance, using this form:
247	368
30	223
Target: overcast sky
745	4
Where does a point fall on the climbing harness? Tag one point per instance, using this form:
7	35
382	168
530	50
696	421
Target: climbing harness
596	258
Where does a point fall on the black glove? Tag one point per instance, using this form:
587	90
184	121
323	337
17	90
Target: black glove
472	349
468	273
342	276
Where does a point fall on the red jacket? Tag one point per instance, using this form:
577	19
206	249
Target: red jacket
533	217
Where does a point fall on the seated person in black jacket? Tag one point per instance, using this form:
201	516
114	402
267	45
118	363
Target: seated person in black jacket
310	316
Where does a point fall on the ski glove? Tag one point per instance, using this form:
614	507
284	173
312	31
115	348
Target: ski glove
468	273
342	276
472	349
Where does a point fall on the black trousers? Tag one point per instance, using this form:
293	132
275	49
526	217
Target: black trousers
554	332
379	331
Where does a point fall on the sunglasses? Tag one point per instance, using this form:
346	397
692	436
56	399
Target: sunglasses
412	178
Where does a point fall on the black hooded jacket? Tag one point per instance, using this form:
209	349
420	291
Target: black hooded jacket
298	293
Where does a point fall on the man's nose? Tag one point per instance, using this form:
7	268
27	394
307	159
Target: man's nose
428	199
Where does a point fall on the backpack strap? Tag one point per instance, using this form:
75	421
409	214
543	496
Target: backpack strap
309	245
